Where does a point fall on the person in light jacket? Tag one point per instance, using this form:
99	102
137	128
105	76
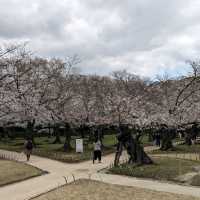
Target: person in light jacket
97	151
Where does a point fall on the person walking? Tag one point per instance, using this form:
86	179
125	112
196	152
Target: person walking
97	151
28	148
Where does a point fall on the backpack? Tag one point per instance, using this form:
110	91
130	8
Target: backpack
29	145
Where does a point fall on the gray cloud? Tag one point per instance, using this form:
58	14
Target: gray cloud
143	36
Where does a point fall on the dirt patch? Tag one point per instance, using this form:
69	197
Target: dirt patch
12	172
94	190
82	170
195	181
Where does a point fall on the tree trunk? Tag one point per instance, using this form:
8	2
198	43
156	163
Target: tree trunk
188	140
167	135
118	153
67	145
141	156
57	134
166	144
134	149
30	131
57	140
137	154
5	132
49	131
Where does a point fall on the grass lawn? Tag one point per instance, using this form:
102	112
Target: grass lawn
94	190
11	171
46	148
182	148
167	169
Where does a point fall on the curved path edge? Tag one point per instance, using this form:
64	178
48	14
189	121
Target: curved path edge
60	172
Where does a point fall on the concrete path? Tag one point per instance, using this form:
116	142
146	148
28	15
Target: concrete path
59	173
148	184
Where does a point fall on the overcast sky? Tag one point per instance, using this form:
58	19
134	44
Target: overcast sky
146	37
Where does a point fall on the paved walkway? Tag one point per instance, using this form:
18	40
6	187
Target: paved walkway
60	172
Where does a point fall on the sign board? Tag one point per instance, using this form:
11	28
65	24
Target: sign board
79	145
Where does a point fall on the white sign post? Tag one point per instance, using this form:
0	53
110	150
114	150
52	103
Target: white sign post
79	145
